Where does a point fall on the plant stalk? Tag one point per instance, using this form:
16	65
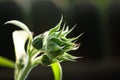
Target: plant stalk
24	73
57	71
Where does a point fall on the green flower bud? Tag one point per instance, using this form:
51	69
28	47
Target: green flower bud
54	50
55	45
38	42
46	61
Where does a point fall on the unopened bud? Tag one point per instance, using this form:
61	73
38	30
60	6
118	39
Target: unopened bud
38	42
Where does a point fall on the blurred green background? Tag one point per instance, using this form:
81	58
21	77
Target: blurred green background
100	46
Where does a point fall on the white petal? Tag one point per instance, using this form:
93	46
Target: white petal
19	39
20	25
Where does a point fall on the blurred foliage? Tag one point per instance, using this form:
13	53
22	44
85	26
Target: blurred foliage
102	4
6	62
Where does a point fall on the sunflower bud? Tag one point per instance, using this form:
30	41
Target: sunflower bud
55	45
58	44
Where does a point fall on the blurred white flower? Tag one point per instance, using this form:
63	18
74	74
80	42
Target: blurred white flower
19	39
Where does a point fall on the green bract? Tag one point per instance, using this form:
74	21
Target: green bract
55	45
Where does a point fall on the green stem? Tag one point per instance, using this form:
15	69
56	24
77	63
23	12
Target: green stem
24	72
57	71
27	68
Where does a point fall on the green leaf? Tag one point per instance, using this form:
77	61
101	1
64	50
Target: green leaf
20	25
6	62
57	71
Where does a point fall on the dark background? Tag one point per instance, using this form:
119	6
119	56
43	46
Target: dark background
100	46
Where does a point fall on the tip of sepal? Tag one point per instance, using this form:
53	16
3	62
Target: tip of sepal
67	30
60	33
68	57
57	27
75	38
76	46
71	29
